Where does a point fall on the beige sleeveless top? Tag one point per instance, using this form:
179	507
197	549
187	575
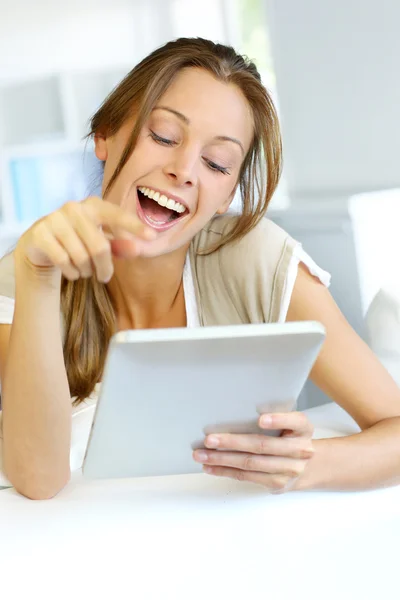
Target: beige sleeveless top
243	282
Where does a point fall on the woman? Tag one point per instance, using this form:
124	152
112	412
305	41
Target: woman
183	130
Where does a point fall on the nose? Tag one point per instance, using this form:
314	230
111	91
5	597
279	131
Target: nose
181	169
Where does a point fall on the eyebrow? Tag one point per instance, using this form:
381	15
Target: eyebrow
220	138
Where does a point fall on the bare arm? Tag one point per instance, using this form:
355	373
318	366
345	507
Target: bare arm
35	392
348	372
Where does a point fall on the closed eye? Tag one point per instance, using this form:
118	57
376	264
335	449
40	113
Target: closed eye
161	140
211	165
214	167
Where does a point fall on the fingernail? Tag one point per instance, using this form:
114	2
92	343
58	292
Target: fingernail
208	470
213	441
266	420
108	278
201	456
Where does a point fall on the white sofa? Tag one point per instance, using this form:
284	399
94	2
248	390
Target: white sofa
376	222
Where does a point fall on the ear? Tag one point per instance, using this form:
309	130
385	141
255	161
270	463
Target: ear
100	147
223	209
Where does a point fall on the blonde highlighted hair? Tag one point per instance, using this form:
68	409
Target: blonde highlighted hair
88	311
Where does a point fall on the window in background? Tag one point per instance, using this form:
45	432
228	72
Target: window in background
251	38
254	43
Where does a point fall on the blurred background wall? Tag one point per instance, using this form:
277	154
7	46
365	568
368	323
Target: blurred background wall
58	61
332	68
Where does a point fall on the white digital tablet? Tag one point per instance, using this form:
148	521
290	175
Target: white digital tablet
164	390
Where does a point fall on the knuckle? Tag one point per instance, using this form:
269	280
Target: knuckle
101	248
306	452
52	220
70	207
263	446
81	258
92	203
92	200
212	459
249	463
240	475
294	471
63	260
38	232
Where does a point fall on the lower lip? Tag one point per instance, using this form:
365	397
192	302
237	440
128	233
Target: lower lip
154	224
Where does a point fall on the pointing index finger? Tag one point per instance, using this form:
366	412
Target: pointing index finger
121	220
117	220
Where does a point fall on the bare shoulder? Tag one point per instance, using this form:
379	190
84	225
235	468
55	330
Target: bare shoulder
346	369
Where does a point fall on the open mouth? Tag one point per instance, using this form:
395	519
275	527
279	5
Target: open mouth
157	210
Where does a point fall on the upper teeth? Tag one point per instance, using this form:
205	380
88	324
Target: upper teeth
163	200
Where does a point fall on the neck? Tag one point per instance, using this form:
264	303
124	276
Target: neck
146	291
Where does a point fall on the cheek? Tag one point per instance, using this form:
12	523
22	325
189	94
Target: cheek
214	196
142	160
219	188
147	155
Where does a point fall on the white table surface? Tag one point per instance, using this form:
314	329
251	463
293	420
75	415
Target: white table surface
197	536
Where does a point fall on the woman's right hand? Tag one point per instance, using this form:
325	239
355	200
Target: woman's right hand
73	239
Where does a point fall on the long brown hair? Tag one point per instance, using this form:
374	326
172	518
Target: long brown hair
89	316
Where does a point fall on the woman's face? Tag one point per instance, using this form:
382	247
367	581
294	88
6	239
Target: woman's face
185	166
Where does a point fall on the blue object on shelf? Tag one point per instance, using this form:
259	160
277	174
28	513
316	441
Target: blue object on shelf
41	184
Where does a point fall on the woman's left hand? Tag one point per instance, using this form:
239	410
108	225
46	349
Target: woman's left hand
273	462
